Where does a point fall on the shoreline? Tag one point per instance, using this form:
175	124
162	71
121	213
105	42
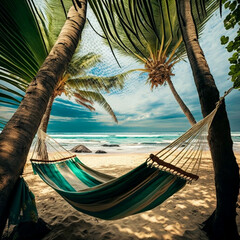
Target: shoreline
126	142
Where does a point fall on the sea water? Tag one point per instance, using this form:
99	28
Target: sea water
127	142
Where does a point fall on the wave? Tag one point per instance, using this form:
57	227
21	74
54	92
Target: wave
77	135
237	134
146	136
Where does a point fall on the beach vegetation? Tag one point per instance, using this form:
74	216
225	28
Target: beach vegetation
231	21
85	89
22	50
17	135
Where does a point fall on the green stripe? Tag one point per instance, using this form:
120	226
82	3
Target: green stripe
175	187
52	172
107	193
82	176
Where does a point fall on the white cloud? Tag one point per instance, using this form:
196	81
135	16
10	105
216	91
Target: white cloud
62	119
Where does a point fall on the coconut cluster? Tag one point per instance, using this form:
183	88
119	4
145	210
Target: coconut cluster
159	72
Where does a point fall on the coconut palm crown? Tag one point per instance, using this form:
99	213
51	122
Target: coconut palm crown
149	31
86	89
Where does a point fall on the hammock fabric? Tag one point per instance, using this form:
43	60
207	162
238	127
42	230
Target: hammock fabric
23	208
141	189
105	197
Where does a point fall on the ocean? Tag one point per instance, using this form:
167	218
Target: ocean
125	142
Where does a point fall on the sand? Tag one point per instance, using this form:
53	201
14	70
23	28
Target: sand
177	218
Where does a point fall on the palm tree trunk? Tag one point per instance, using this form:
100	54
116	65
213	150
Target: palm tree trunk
222	223
17	136
46	116
183	106
42	148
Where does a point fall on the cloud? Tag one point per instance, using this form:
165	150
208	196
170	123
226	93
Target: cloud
61	119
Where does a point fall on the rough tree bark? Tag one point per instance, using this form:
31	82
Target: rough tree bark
182	105
222	223
17	136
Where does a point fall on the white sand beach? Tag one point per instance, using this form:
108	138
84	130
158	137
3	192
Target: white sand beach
177	218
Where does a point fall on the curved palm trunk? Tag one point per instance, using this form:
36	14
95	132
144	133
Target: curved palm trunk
182	105
46	116
17	136
222	223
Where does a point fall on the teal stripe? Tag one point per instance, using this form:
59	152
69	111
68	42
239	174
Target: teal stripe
112	190
175	187
132	202
136	199
98	193
52	172
142	195
82	176
102	176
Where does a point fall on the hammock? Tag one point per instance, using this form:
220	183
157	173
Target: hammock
139	190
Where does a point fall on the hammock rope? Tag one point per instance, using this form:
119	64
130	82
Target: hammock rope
143	188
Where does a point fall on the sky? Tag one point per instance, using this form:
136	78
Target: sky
137	108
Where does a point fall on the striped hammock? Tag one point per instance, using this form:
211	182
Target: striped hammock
105	197
141	189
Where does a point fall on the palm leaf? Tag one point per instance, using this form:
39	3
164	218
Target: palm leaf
90	107
53	18
98	97
20	37
9	90
13	100
97	83
130	26
79	64
22	48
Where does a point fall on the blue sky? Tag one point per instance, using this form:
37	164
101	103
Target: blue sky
137	108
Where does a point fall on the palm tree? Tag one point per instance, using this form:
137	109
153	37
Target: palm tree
86	89
17	135
149	31
47	27
131	21
74	83
222	223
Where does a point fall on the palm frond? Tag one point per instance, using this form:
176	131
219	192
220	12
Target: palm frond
90	107
8	99
79	64
13	80
97	83
2	123
21	43
54	17
22	48
130	26
10	90
81	98
98	97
